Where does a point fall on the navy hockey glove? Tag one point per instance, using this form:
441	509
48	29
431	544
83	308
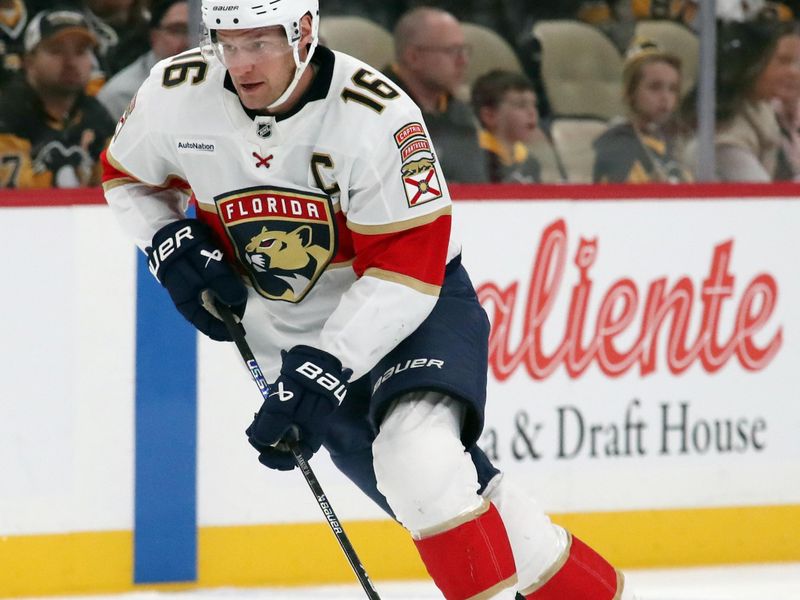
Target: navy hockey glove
311	385
186	261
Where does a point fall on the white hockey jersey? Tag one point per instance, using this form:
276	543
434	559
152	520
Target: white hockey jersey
336	212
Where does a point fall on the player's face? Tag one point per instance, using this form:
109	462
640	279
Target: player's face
61	65
656	96
260	63
517	116
781	77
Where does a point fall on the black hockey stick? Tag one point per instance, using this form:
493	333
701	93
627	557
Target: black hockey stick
237	333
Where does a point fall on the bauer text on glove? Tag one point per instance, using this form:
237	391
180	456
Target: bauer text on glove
310	386
185	260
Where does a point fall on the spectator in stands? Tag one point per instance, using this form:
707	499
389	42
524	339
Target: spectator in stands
169	35
51	133
511	19
749	10
747	136
505	104
13	19
431	58
603	12
781	79
684	11
122	30
498	15
615	18
618	18
640	148
120	27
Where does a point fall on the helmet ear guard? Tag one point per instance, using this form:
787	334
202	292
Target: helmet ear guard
254	14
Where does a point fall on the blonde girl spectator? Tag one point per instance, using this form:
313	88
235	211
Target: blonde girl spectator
641	147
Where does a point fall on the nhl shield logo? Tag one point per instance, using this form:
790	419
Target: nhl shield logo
285	238
264	126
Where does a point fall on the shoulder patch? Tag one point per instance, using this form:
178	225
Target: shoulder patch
407	132
418	165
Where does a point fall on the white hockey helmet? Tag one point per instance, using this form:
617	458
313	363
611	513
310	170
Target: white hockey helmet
252	14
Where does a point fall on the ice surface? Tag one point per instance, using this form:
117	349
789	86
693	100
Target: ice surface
751	582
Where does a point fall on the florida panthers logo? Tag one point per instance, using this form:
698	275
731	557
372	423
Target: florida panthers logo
285	238
415	167
290	256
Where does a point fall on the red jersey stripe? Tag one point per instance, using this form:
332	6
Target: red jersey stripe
419	253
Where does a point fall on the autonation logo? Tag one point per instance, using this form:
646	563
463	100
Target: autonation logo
195	146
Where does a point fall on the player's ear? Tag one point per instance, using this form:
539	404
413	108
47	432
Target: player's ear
305	30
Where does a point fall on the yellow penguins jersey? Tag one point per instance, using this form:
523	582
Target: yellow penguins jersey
40	150
335	212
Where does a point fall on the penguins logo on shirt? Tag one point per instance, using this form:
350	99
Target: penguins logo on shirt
284	238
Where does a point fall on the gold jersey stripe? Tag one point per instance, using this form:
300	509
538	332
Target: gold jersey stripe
341	264
454	522
620	584
164	184
115	183
497	587
552	570
400	225
415	284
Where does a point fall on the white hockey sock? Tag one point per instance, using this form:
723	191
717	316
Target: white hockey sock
537	543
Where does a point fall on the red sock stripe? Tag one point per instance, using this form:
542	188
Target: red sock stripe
584	576
469	559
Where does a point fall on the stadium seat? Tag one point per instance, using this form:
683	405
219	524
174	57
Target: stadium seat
489	51
358	37
543	151
581	70
572	139
677	39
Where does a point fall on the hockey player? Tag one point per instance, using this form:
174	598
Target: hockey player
322	210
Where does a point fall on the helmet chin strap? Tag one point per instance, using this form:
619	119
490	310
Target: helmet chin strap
298	73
